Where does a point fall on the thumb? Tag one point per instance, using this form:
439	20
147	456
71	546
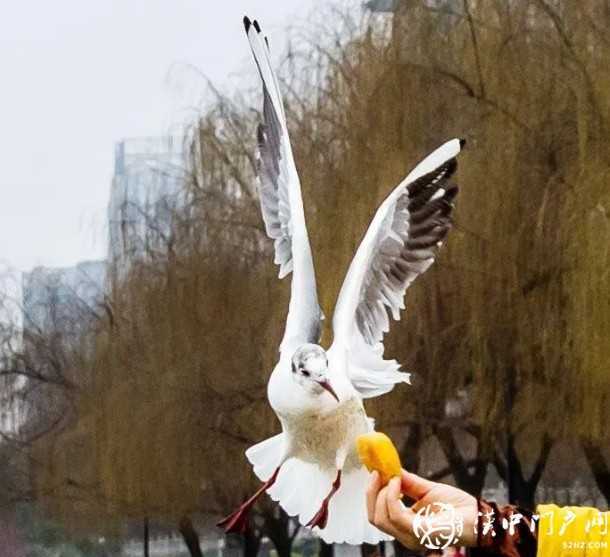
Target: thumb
415	486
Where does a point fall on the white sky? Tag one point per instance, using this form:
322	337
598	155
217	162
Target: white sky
78	75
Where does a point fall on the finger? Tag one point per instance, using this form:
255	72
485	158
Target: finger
381	511
401	518
371	495
415	486
395	509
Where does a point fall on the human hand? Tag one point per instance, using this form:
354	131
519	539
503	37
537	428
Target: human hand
388	513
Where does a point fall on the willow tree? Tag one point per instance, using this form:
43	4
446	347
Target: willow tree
497	317
179	365
514	312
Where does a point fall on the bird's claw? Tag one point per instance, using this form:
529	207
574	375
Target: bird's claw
236	522
320	518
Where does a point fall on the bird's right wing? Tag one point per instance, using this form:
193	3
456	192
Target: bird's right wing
282	204
398	247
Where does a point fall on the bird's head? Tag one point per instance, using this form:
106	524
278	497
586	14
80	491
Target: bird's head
310	369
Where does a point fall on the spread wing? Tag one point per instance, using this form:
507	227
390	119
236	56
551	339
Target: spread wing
399	246
282	204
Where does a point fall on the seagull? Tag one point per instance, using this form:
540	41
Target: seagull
312	468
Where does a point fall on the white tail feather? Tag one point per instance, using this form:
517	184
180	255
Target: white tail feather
301	487
266	456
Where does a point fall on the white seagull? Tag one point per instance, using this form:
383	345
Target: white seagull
312	468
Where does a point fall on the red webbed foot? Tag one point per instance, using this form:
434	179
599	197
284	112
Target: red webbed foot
237	521
320	519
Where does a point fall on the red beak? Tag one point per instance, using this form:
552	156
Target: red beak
326	385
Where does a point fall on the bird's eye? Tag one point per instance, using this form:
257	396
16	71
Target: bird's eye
305	372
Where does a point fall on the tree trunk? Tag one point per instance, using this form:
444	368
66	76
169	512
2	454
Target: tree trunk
469	475
370	550
251	541
277	527
401	551
12	545
409	452
146	538
283	548
326	549
600	468
522	490
190	537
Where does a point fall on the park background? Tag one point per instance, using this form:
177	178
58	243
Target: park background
131	387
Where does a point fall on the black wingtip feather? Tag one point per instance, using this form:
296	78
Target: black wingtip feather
247	23
462	143
256	26
260	134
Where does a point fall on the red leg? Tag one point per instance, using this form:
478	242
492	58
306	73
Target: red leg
236	521
321	517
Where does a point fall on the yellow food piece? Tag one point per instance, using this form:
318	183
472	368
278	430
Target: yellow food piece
377	452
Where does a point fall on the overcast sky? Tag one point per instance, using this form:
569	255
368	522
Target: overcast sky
78	75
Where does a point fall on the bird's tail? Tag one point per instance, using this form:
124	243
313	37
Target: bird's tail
301	487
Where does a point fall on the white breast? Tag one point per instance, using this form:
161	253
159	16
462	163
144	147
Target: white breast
319	429
328	439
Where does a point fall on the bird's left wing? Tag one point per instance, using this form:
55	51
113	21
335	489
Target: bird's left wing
282	204
398	247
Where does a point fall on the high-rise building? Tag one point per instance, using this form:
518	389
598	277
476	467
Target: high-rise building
11	405
380	6
148	173
11	382
391	6
60	307
62	298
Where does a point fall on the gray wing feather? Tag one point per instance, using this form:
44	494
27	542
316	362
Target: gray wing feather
419	222
399	245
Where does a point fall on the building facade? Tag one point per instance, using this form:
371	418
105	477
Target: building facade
145	192
60	307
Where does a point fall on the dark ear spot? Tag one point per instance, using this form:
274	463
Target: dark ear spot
294	369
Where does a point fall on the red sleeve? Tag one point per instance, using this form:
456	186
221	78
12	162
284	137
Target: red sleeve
506	531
